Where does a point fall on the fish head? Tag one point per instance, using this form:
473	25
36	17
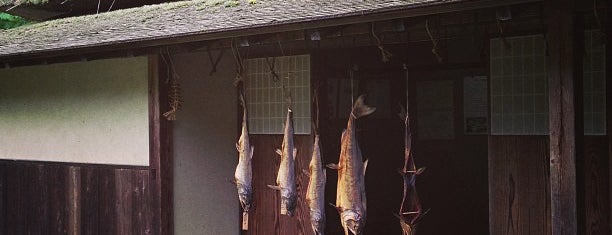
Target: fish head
245	196
288	200
354	221
318	222
407	228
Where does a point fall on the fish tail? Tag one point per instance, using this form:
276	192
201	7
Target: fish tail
360	109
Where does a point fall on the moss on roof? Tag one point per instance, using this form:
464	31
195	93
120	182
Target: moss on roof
20	2
8	21
183	19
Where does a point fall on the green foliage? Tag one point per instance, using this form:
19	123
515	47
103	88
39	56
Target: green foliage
10	21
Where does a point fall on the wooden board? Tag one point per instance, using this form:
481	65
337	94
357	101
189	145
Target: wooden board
518	185
596	182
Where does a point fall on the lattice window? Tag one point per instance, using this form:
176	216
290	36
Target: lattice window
594	86
519	86
266	93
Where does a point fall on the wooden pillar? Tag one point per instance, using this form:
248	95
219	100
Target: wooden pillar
562	116
608	39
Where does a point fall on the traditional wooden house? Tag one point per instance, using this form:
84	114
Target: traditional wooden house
508	103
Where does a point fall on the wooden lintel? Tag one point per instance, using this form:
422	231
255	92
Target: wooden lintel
562	116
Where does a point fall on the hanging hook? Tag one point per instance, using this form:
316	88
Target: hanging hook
434	50
385	54
215	62
239	62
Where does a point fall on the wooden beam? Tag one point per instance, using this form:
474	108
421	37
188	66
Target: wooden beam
562	116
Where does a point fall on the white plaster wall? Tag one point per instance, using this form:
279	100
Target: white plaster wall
83	112
205	156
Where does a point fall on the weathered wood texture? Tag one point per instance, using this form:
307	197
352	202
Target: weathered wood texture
42	198
58	198
562	116
518	185
596	181
265	217
161	159
608	109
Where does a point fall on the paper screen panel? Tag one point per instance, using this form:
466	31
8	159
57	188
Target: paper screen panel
266	98
519	86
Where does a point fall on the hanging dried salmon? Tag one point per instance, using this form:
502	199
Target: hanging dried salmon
410	210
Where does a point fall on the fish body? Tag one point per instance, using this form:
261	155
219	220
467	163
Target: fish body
285	180
315	194
244	171
350	196
410	209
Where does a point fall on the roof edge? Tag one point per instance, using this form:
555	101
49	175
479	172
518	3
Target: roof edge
281	26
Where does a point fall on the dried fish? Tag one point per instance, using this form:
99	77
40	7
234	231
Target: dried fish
244	171
315	194
410	210
350	195
285	180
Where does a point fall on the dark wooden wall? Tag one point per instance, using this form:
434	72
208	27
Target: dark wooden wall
519	185
456	167
596	185
519	193
42	198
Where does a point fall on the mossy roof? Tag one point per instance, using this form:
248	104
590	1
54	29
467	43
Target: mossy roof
182	19
20	2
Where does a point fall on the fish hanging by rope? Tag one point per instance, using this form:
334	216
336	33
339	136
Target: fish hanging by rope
175	98
285	180
351	195
244	171
410	210
315	194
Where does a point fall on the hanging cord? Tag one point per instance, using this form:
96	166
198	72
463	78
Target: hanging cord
111	6
214	62
386	55
352	72
175	96
316	103
434	50
407	83
239	63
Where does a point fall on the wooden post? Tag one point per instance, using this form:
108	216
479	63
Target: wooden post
608	39
562	116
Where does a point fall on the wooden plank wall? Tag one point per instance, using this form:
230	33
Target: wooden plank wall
39	198
596	181
265	217
518	184
519	196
